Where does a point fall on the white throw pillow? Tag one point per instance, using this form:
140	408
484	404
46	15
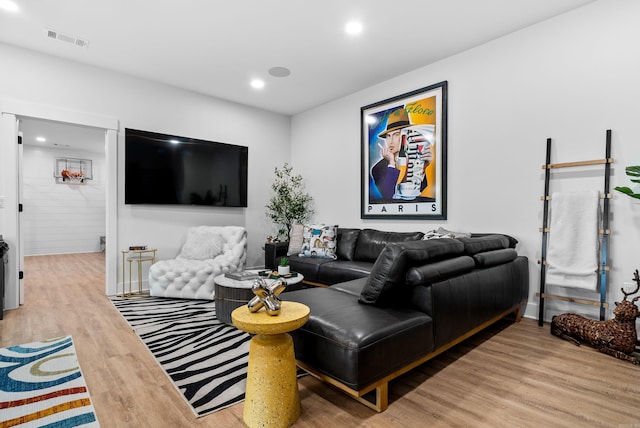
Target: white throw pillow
202	246
295	240
444	233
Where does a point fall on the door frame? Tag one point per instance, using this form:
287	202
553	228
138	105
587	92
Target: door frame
11	111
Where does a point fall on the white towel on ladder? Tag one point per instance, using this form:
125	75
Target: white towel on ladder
572	251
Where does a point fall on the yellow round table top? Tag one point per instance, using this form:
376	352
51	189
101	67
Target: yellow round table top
292	315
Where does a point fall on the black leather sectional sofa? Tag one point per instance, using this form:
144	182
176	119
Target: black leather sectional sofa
416	299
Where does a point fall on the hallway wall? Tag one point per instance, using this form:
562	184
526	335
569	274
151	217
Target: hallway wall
61	218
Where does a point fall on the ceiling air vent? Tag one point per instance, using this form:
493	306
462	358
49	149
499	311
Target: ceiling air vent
56	35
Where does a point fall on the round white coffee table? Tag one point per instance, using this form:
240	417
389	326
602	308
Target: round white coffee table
230	294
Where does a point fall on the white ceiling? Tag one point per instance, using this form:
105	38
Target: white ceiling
216	48
62	136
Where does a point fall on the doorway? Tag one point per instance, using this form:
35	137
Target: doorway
62	214
12	111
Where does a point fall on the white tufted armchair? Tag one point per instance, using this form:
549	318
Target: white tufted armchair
208	252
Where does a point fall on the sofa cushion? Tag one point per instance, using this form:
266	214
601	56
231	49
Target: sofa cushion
353	287
479	244
357	344
371	242
308	266
512	241
496	257
343	270
319	240
347	241
387	284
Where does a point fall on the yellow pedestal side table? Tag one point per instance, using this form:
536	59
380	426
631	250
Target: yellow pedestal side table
272	398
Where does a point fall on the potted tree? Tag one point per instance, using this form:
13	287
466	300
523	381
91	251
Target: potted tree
289	203
634	175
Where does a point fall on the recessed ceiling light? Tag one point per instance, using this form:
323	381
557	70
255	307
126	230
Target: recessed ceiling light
41	139
279	71
8	5
257	83
354	27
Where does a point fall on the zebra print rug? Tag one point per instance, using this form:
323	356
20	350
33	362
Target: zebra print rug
204	358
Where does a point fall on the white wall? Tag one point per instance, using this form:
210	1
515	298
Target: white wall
61	218
569	78
141	104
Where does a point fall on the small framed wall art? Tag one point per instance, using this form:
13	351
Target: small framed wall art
404	156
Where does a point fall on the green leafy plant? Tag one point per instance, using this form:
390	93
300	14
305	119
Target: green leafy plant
284	262
289	203
632	171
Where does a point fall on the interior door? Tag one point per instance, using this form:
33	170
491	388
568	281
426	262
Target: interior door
9	212
20	221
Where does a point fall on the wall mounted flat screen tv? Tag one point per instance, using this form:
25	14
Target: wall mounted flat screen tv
167	169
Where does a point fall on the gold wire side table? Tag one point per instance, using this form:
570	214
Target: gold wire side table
138	257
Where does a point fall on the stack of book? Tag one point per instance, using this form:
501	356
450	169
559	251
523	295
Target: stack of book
244	275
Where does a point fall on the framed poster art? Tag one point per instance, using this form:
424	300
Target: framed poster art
404	156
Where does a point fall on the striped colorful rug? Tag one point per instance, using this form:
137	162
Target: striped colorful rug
205	359
41	385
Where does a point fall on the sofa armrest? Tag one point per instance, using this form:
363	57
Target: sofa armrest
272	253
461	303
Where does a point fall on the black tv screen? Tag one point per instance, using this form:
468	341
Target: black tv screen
167	169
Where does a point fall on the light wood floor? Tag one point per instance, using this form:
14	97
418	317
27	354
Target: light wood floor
512	375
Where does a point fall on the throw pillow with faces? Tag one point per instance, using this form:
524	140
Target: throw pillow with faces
319	240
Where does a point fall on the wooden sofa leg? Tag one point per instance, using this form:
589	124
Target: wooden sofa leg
520	310
381	398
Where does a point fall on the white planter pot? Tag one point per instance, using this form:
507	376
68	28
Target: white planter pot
284	270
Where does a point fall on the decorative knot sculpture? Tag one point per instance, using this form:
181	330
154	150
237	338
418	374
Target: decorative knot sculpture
615	337
266	295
